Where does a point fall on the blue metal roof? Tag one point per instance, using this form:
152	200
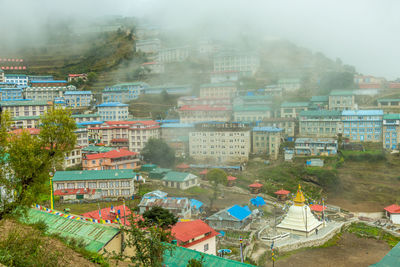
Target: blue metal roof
239	212
194	203
168	121
367	112
267	129
258	201
78	93
90	122
112	104
177	125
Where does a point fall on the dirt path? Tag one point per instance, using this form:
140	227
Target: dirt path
350	251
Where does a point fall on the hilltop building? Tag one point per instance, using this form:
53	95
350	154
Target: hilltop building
18	79
224	76
319	102
78	99
292	109
246	63
342	100
123	92
180	180
113	111
177	136
179	206
148	46
197	101
172	89
251	113
10	92
48	83
289	125
47	93
173	54
220	142
119	159
289	85
235	217
25	107
316	147
362	125
76	77
154	67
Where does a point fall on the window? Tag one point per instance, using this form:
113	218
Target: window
92	185
125	192
206	247
81	185
71	186
60	186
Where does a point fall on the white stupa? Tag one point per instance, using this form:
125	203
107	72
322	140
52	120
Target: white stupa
299	219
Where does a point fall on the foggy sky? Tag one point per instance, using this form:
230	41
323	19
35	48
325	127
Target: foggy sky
363	33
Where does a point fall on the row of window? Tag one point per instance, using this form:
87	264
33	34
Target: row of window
93	185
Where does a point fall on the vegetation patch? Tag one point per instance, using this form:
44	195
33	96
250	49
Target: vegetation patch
366	231
368	155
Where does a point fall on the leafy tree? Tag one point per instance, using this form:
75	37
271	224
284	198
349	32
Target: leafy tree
158	152
196	263
336	80
91	77
26	160
160	217
216	177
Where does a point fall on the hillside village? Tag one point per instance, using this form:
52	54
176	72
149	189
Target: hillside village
231	121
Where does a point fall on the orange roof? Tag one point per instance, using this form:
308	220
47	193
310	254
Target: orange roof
318	208
183	166
393	208
231	178
31	131
203	172
256	185
108	214
118	153
282	192
186	231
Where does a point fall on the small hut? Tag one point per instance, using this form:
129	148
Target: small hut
231	181
317	208
282	194
255	188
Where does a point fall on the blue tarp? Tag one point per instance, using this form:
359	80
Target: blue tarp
258	201
196	204
239	212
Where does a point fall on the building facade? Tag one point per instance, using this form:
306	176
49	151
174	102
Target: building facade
220	142
113	111
320	123
245	63
112	160
204	113
180	180
123	92
76	77
149	46
342	100
11	92
180	207
316	146
19	79
292	109
48	93
175	54
391	131
218	90
25	107
289	125
251	113
266	140
362	125
48	83
112	183
78	99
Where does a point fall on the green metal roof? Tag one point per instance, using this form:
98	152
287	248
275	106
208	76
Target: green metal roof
391	117
227	84
160	170
130	84
251	108
294	104
388	99
85	115
97	149
93	175
94	235
178	176
19	118
24	103
321	113
341	92
391	259
180	256
319	98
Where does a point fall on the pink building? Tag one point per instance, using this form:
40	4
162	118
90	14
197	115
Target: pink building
114	159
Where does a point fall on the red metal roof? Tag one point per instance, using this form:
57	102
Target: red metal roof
231	178
150	63
79	191
186	231
203	172
256	185
31	131
131	122
202	108
183	166
107	214
393	208
119	140
76	75
317	207
118	153
282	192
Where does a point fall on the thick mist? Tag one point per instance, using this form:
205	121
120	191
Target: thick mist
361	33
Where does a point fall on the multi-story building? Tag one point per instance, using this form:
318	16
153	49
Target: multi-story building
218	90
316	147
40	78
180	207
113	111
19	79
25	107
132	135
195	101
251	100
176	135
387	103
342	100
47	93
289	125
224	76
267	140
292	109
362	125
112	160
391	131
320	123
112	183
2	78
86	117
11	92
149	46
246	63
123	92
73	158
289	85
171	89
78	99
76	77
204	113
220	142
23	122
319	102
248	113
48	83
176	54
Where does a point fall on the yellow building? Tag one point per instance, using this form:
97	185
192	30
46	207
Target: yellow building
267	140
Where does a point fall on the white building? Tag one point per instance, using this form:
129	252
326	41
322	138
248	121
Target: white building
113	111
393	213
19	79
148	46
245	63
176	54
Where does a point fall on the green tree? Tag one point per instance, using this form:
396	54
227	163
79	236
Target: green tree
216	177
160	217
91	77
196	263
336	80
157	151
27	160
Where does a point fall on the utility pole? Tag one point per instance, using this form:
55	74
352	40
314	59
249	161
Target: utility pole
305	212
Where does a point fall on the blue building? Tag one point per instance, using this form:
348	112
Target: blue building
19	79
123	92
362	125
78	99
170	89
391	131
113	111
13	92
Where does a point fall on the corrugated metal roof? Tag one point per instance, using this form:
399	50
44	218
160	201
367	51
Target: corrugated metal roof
177	125
389	99
78	93
391	117
341	93
93	175
94	235
324	113
294	104
165	202
24	103
391	259
178	176
317	98
366	112
267	129
251	108
112	104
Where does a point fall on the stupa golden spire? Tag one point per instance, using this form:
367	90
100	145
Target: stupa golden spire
299	199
